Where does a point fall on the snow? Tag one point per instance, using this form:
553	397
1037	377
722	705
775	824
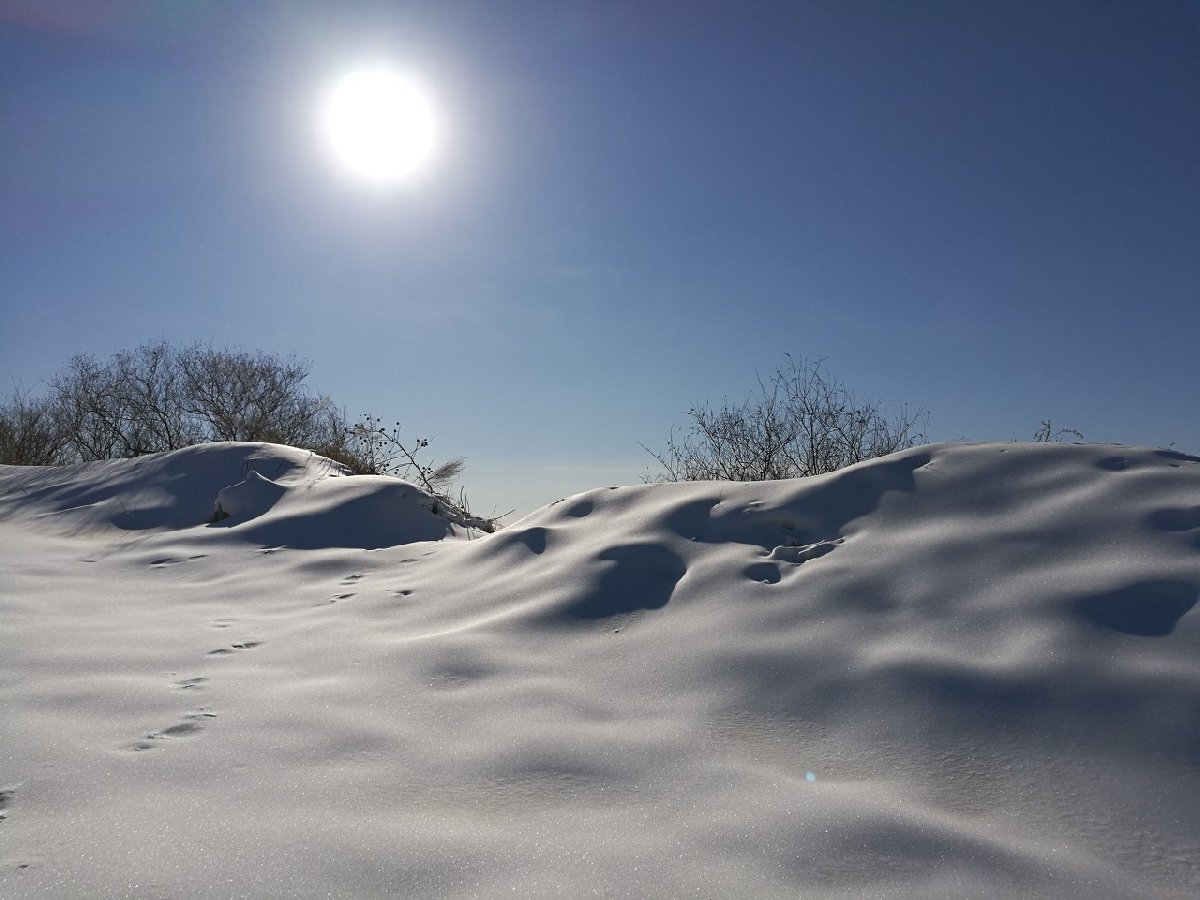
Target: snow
961	670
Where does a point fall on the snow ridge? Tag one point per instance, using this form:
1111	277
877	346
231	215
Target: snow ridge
961	670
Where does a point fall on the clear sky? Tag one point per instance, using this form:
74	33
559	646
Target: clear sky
991	209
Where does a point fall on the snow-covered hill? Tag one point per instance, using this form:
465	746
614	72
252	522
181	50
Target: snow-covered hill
958	671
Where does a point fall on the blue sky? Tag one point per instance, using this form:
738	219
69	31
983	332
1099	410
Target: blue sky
991	210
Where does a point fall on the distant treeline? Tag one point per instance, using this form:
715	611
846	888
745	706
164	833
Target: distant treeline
160	397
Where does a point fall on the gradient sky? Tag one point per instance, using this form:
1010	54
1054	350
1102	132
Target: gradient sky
988	209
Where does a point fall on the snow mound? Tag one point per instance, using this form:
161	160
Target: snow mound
961	670
264	493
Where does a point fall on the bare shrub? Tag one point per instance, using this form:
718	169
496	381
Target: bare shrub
382	452
1047	434
372	449
159	398
802	422
132	405
29	433
236	395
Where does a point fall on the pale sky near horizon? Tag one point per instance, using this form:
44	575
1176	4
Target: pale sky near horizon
989	209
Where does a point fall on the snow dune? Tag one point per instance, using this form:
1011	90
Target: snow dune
958	671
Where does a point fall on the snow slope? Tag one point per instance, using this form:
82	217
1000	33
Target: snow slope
958	671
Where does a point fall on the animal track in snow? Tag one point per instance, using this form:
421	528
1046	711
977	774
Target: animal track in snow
190	684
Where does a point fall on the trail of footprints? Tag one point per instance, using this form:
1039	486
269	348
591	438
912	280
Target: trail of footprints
353	580
348	581
192	721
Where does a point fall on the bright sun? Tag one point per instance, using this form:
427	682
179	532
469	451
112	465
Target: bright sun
378	125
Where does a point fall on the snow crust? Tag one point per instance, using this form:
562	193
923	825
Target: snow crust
958	671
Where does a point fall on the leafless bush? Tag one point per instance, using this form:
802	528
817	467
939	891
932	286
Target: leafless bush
382	452
236	395
159	397
1046	433
802	422
131	405
29	433
373	449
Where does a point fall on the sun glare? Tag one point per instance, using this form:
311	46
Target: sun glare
378	125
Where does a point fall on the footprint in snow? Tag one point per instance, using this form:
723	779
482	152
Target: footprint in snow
234	647
172	560
190	684
190	726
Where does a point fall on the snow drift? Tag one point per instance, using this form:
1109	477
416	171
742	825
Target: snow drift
961	670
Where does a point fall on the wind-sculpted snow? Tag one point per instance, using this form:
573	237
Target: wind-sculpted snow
160	491
959	671
264	493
